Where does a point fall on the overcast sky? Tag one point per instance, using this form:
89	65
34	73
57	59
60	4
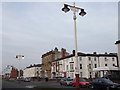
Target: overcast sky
32	29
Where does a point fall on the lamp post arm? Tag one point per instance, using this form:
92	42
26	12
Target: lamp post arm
73	6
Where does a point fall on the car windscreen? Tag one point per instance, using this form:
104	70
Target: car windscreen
68	79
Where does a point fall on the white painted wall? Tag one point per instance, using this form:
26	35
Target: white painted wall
100	62
119	53
31	72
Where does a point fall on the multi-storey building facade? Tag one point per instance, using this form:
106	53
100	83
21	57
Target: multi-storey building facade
33	71
48	57
88	64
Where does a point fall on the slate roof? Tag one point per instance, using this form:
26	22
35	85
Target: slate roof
83	54
35	65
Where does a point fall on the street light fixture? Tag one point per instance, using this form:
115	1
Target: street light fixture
74	9
82	13
65	9
20	57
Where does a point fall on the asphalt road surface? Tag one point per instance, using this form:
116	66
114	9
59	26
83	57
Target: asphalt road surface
6	85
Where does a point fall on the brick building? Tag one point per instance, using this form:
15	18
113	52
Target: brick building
14	73
48	57
10	72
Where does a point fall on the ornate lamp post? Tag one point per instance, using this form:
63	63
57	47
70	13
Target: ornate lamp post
20	57
82	13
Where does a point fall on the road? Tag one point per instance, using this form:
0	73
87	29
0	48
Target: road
21	84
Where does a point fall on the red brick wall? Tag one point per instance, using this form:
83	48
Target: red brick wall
14	73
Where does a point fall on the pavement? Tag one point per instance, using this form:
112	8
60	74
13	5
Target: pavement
0	84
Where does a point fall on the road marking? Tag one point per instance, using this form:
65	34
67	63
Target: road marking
30	86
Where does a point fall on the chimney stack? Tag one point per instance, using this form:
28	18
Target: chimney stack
56	53
63	52
56	50
73	52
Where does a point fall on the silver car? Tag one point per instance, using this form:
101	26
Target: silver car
27	79
66	81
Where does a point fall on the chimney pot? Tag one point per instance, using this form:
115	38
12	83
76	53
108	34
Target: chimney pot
94	53
105	52
55	49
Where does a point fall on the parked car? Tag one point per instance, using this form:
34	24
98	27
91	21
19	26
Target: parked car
82	83
27	79
66	81
107	76
115	76
11	79
58	78
20	79
103	83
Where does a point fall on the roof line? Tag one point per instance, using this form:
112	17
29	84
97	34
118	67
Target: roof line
82	54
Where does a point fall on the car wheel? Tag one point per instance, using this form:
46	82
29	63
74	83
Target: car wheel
73	85
65	84
107	88
80	86
61	84
92	87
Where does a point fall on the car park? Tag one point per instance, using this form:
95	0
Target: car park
82	83
103	83
66	81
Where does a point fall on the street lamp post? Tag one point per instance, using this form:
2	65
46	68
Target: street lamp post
19	57
82	13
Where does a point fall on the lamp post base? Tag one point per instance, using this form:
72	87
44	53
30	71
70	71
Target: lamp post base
77	81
